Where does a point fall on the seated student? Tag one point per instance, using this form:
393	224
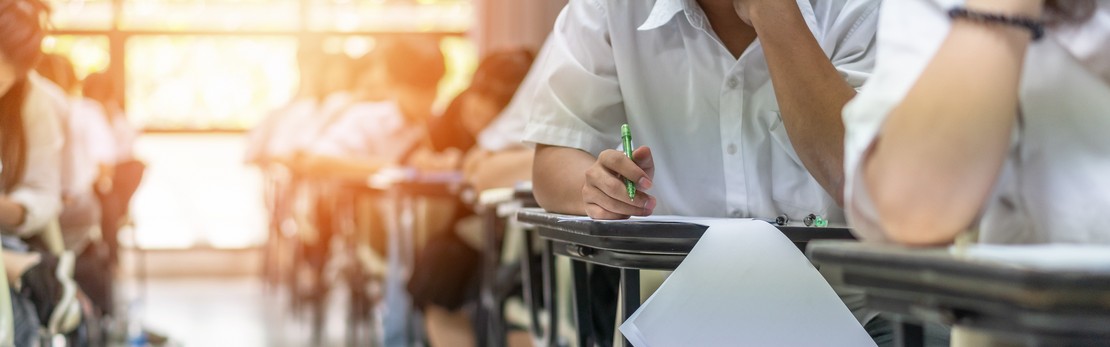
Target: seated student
294	134
30	137
1030	108
445	280
86	157
739	102
304	103
372	134
121	171
30	149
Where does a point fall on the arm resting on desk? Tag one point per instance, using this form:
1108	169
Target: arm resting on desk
500	170
571	181
926	184
343	168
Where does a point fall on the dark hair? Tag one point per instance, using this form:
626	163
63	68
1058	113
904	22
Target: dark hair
58	69
499	75
414	63
21	33
1058	12
101	87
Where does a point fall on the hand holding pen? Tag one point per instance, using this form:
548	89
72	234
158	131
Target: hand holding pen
606	194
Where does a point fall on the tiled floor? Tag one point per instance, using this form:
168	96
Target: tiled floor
231	312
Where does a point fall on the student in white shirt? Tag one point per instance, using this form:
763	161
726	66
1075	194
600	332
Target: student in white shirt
296	131
372	134
971	125
693	79
739	102
309	67
30	137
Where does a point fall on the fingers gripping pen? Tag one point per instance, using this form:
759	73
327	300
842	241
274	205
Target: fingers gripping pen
626	140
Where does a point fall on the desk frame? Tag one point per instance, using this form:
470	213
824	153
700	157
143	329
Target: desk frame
629	247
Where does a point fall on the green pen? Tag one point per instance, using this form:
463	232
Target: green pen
626	138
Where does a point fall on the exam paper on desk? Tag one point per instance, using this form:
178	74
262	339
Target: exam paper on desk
744	284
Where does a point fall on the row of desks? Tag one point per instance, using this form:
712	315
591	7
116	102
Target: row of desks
1022	304
1019	304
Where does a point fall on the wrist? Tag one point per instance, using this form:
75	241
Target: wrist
1026	8
766	14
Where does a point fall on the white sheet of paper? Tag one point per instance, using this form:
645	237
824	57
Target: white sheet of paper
744	284
671	219
1051	257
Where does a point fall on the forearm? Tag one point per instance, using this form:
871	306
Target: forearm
502	169
940	151
12	214
810	92
343	168
558	175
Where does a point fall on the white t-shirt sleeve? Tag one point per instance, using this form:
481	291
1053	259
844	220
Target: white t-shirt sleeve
40	191
910	33
578	103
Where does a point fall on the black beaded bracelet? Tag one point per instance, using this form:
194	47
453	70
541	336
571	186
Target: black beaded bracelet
1035	26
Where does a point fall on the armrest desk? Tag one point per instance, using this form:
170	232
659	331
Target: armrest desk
1029	306
630	247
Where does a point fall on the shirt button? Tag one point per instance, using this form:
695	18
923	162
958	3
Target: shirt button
732	83
731	148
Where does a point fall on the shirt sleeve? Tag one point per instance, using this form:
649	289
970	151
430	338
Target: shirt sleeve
578	102
910	33
99	135
40	191
847	31
505	132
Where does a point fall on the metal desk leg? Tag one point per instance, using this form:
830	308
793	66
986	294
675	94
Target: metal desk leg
550	284
490	308
908	334
630	296
583	316
532	295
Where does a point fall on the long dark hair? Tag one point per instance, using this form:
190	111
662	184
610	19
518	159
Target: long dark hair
1058	12
21	33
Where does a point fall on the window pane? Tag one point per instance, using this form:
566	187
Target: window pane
381	15
81	14
87	53
207	83
229	15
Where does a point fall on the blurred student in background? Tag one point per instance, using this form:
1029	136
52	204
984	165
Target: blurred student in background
370	135
122	170
30	150
303	105
445	281
87	156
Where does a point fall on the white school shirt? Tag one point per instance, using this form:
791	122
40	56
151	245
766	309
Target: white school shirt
1055	183
369	129
89	129
260	137
40	192
301	126
711	120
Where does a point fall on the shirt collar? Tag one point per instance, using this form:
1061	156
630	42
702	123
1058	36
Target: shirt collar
663	11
